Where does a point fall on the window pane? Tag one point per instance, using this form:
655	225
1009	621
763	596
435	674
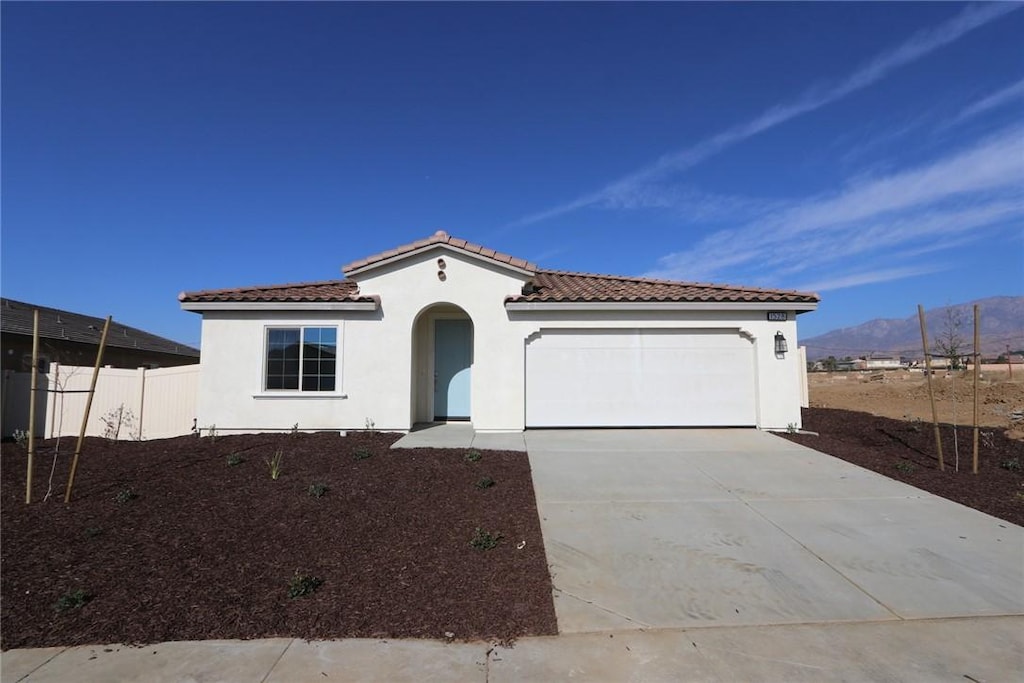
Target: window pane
319	346
282	359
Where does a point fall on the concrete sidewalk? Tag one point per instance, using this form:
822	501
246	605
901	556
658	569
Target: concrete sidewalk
974	649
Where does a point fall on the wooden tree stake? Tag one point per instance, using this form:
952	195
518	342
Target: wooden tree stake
32	405
88	407
977	373
931	394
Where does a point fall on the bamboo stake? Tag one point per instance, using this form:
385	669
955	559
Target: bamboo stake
977	373
32	405
931	394
88	407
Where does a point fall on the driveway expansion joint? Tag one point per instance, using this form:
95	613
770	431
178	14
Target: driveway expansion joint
602	607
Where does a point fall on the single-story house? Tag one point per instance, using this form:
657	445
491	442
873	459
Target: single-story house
442	329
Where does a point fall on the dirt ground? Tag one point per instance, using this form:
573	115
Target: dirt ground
191	539
903	395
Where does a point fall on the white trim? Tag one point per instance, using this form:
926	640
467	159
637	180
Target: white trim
279	306
438	245
532	306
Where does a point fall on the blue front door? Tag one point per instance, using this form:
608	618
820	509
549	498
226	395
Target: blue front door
453	357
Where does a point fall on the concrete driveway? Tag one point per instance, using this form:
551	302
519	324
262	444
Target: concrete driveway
683	528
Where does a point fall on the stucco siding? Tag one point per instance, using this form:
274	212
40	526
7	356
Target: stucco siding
385	368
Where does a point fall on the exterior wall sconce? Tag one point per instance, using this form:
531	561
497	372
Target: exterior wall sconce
780	345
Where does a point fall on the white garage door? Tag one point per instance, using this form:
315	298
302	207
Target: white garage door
639	378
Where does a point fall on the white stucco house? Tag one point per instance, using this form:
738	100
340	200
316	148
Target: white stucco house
441	329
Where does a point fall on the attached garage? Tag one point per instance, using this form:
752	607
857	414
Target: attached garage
640	378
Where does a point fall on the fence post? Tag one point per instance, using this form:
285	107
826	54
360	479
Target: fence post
142	398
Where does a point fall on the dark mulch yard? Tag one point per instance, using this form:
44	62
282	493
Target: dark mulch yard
207	549
906	451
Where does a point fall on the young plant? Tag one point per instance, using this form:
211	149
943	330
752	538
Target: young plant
473	456
318	489
791	428
117	419
21	438
274	463
362	453
484	540
370	425
72	600
126	495
235	459
904	466
1011	465
93	531
484	483
301	585
212	433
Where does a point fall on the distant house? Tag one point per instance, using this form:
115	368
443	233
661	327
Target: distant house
72	339
879	362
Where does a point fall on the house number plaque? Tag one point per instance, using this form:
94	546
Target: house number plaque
777	316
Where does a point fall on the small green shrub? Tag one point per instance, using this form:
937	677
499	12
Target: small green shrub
318	489
905	466
212	433
1011	465
235	459
274	463
791	428
473	456
484	540
301	585
362	453
21	438
484	483
72	600
93	531
126	495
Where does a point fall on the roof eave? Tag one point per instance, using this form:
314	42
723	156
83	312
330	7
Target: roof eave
531	306
200	306
349	271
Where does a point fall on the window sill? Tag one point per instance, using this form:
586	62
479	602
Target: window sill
301	395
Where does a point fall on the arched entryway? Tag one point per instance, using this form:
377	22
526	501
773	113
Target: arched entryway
442	347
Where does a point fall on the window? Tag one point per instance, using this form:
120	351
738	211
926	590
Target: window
301	358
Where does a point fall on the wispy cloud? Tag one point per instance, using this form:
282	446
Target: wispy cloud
996	99
888	220
917	46
868	278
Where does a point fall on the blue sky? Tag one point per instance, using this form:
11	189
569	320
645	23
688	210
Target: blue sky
871	152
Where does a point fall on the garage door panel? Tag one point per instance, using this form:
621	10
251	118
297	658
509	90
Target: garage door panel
639	378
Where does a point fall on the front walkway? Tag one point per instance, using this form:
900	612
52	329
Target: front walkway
460	435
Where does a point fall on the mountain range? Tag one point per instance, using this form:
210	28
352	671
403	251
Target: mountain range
1002	325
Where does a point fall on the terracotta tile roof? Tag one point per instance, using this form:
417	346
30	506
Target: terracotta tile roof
556	285
440	237
16	318
327	290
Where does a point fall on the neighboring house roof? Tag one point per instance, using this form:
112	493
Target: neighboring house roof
442	238
545	285
16	318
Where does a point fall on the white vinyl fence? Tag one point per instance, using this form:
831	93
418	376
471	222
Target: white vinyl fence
133	404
